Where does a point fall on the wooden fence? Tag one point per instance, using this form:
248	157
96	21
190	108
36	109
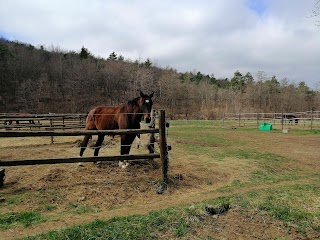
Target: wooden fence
299	120
162	145
36	122
49	121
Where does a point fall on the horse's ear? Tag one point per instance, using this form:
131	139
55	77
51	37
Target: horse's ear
151	95
141	94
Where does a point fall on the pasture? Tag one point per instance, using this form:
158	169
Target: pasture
270	180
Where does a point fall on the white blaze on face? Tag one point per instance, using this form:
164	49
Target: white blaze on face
147	101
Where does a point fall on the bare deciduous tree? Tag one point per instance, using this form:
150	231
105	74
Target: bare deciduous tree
42	80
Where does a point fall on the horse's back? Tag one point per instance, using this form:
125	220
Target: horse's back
103	118
23	114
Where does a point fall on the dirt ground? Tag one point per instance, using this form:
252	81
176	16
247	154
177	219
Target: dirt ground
69	194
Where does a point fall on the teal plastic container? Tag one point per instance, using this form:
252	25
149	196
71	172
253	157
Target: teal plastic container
265	127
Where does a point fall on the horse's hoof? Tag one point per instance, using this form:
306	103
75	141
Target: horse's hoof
80	164
162	187
125	165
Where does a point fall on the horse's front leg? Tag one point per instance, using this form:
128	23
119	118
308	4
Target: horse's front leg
84	144
126	142
98	144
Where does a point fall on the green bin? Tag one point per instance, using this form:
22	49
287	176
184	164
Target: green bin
265	127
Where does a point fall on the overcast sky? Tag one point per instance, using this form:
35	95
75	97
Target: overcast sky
212	36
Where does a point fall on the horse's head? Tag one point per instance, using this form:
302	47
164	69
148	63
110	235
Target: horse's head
145	104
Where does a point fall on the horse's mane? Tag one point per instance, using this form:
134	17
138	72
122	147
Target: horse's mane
133	101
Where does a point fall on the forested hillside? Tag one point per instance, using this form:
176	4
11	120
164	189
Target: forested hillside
42	80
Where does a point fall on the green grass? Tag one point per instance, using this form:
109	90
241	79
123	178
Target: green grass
296	206
204	138
306	132
196	123
43	199
14	199
250	154
22	218
82	208
259	177
235	184
271	176
47	207
131	227
217	124
171	222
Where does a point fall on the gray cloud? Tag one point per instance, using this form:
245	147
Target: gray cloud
212	36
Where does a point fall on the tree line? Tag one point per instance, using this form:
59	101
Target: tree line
49	79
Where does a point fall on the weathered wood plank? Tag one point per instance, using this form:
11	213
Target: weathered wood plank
163	146
21	119
76	133
79	159
2	174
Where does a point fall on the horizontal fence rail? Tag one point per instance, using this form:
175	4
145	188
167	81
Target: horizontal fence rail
51	121
79	159
306	120
55	124
76	133
42	121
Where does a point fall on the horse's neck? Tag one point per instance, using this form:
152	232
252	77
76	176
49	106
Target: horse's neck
135	113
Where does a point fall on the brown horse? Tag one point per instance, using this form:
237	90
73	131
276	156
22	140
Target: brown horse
123	116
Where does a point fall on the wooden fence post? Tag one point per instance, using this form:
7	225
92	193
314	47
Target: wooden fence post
282	119
311	125
51	125
151	135
2	176
163	146
224	116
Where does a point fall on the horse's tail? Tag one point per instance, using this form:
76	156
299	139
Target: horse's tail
90	125
90	120
86	116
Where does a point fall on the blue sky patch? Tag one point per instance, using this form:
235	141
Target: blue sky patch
13	37
258	6
5	35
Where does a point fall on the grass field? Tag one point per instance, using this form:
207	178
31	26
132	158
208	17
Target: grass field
270	180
